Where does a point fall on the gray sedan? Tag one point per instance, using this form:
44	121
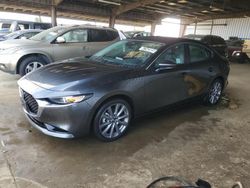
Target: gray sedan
55	44
125	80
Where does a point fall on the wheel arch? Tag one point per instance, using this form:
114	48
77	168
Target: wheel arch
47	58
106	99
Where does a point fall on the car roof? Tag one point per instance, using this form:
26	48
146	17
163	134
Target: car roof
28	30
32	30
88	26
167	40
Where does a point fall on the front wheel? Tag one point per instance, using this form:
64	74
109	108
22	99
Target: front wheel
112	120
214	93
30	64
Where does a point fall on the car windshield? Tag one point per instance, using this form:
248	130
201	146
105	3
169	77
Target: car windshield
13	34
49	34
127	52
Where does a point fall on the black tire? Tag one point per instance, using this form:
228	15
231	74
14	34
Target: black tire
102	120
213	96
28	61
243	58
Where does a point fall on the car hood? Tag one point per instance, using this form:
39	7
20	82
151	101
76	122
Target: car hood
71	74
17	43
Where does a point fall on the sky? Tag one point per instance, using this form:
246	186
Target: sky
169	26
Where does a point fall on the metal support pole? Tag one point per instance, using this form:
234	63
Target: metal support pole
153	26
112	21
195	28
212	26
53	16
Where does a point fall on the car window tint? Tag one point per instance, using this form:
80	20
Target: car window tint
42	26
99	35
198	53
173	55
5	26
21	26
112	35
76	36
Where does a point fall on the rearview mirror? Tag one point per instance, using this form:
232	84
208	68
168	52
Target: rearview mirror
60	40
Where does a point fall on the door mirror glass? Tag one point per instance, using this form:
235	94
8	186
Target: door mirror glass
60	40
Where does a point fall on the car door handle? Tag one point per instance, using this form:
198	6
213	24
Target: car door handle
84	48
210	69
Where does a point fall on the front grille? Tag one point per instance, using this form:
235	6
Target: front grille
30	102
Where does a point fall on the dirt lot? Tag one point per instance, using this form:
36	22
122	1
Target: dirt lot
193	141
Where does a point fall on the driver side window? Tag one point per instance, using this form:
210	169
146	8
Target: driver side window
76	36
173	55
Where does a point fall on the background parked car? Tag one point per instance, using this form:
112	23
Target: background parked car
235	50
216	42
134	34
22	34
55	44
9	26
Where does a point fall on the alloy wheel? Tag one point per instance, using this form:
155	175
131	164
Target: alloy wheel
114	120
215	92
33	66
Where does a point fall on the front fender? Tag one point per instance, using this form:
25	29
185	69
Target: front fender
24	53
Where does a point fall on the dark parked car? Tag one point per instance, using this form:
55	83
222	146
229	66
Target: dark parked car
22	34
216	42
122	81
235	50
134	34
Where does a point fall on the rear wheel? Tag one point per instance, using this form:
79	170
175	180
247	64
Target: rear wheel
30	64
112	120
214	93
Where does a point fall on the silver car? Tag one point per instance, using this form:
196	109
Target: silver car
55	44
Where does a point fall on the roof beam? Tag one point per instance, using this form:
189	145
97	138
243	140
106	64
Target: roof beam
241	14
127	7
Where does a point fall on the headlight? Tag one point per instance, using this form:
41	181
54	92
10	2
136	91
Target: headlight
69	99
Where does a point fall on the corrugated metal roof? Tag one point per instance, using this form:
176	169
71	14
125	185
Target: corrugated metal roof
238	27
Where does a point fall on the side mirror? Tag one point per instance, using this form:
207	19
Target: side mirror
60	40
23	37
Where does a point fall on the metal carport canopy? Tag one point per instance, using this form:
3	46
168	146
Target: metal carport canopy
134	12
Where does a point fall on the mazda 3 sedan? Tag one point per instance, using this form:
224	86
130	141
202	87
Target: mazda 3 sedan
124	80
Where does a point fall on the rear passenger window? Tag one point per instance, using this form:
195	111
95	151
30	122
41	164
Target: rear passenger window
112	35
101	35
198	53
173	55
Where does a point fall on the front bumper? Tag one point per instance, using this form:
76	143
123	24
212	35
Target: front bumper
62	121
8	62
49	129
